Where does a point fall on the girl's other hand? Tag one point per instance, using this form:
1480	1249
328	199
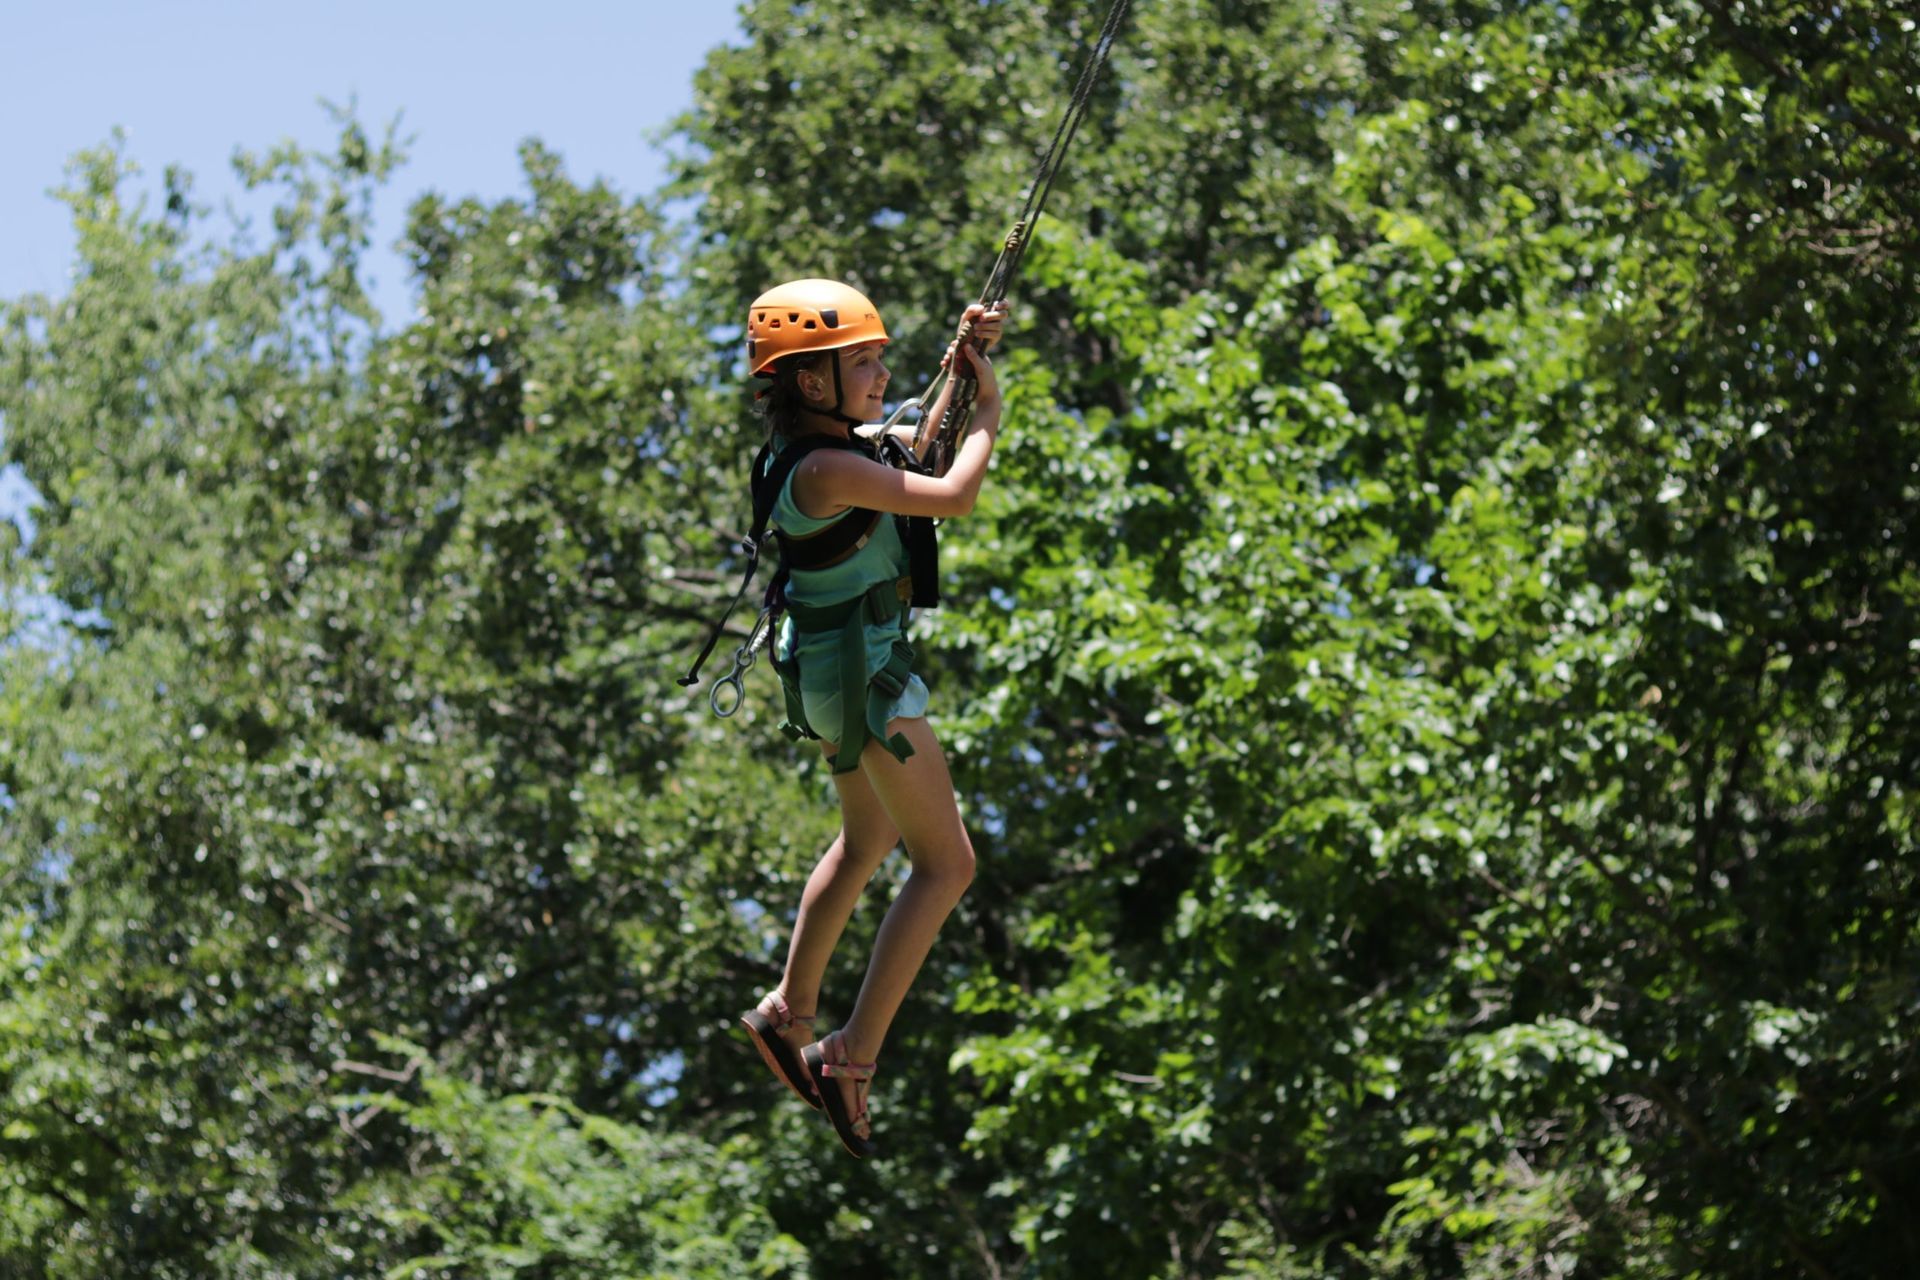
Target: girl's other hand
989	392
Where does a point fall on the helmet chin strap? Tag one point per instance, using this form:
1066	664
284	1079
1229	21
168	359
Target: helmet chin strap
839	410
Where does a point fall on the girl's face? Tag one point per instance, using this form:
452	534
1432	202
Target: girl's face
863	381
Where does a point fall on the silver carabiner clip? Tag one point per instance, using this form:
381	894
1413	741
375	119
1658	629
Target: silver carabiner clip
724	705
732	704
880	430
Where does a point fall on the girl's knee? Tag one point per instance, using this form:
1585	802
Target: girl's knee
866	854
950	863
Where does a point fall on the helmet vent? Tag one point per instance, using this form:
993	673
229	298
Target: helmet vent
810	325
830	317
793	317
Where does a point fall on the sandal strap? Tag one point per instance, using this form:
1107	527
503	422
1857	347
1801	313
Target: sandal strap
780	1013
860	1071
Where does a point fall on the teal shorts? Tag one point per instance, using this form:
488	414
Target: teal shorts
823	707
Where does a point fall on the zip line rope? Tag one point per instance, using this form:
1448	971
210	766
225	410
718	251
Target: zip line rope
1006	267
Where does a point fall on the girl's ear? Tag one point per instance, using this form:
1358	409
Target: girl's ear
812	385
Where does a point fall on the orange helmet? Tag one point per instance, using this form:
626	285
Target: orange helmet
808	315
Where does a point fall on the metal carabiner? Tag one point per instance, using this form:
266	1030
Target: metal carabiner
743	660
739	694
879	430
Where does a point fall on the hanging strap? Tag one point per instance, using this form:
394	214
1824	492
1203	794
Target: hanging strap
1014	248
751	545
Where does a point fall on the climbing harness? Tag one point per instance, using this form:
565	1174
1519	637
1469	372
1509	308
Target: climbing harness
839	541
832	545
822	315
866	701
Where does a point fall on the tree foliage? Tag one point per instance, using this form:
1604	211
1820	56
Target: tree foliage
1430	679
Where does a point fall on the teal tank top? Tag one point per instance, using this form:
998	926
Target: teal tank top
883	559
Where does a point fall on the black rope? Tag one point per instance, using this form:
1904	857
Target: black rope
1007	265
1042	185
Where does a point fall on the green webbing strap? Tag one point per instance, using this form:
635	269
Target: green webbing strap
796	726
864	701
885	686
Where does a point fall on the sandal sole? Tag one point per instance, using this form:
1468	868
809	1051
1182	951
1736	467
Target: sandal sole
858	1147
771	1047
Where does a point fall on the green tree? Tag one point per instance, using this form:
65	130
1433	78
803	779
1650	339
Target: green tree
1348	726
353	732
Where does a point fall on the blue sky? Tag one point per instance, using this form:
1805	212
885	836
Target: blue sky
192	80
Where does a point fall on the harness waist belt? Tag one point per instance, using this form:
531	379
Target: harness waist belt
886	599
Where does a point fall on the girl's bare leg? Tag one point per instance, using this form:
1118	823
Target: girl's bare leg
918	797
867	836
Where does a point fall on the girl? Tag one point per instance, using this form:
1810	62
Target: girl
846	667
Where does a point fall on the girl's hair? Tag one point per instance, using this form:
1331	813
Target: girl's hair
781	403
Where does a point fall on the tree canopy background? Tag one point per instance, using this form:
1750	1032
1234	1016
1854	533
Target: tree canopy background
1431	677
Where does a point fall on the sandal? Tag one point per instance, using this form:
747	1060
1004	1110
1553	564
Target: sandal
764	1023
856	1133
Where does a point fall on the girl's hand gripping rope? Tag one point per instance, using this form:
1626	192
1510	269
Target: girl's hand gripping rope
981	369
980	330
940	433
980	324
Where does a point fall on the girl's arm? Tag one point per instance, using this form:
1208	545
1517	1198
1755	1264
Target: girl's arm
831	480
